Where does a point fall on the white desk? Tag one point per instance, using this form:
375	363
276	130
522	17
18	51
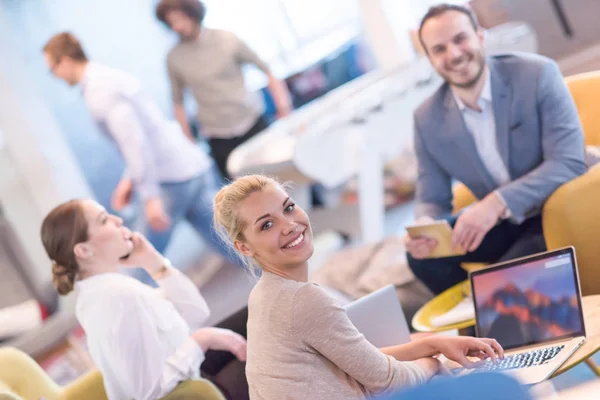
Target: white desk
351	132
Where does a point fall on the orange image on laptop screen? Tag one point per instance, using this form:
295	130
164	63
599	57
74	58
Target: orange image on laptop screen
528	303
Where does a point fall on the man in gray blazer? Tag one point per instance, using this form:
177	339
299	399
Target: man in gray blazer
505	126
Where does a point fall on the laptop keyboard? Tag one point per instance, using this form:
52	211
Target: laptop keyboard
523	360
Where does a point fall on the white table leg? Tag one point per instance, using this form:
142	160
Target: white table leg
371	194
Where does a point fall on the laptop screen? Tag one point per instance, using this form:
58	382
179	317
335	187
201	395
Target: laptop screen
529	301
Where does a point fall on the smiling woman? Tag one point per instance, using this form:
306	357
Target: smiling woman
265	227
301	344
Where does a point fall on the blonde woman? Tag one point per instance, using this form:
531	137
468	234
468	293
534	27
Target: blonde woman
301	344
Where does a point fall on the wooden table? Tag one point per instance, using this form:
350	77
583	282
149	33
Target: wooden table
591	315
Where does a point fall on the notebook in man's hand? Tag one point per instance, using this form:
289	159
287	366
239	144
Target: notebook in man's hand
441	232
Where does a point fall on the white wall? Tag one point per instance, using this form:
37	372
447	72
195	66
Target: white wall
37	167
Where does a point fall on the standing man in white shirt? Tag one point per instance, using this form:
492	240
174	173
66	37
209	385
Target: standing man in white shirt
209	62
174	179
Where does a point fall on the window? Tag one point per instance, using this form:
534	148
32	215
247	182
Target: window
311	19
288	34
252	21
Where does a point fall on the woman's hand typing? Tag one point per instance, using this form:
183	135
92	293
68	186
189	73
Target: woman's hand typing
459	348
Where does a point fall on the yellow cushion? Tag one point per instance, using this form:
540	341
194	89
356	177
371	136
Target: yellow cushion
440	305
89	386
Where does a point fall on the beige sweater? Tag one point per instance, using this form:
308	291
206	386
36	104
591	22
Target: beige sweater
301	345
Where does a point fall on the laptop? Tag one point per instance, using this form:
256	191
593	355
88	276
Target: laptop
532	307
380	318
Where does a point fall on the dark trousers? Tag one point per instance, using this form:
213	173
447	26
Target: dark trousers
222	368
504	242
221	148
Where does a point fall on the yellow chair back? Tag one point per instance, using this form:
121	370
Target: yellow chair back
585	89
571	217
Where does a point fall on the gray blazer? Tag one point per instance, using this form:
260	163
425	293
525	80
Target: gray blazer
538	133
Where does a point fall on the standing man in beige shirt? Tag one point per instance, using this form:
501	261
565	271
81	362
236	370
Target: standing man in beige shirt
301	344
209	62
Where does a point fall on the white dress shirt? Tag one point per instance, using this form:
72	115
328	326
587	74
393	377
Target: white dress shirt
139	337
482	125
154	148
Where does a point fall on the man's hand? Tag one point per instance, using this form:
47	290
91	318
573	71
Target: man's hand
156	215
472	225
122	194
420	247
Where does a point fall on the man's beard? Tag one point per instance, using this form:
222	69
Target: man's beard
480	60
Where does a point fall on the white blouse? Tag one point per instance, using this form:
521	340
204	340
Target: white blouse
139	337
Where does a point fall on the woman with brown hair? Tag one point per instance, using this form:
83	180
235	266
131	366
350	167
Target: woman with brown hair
301	344
144	341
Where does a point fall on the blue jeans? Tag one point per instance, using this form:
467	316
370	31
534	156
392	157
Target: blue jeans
189	200
503	242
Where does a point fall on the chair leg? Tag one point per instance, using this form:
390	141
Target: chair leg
592	364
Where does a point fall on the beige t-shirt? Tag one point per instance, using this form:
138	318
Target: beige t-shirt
301	345
212	68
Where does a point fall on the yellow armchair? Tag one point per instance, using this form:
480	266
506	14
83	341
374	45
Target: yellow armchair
461	197
22	378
